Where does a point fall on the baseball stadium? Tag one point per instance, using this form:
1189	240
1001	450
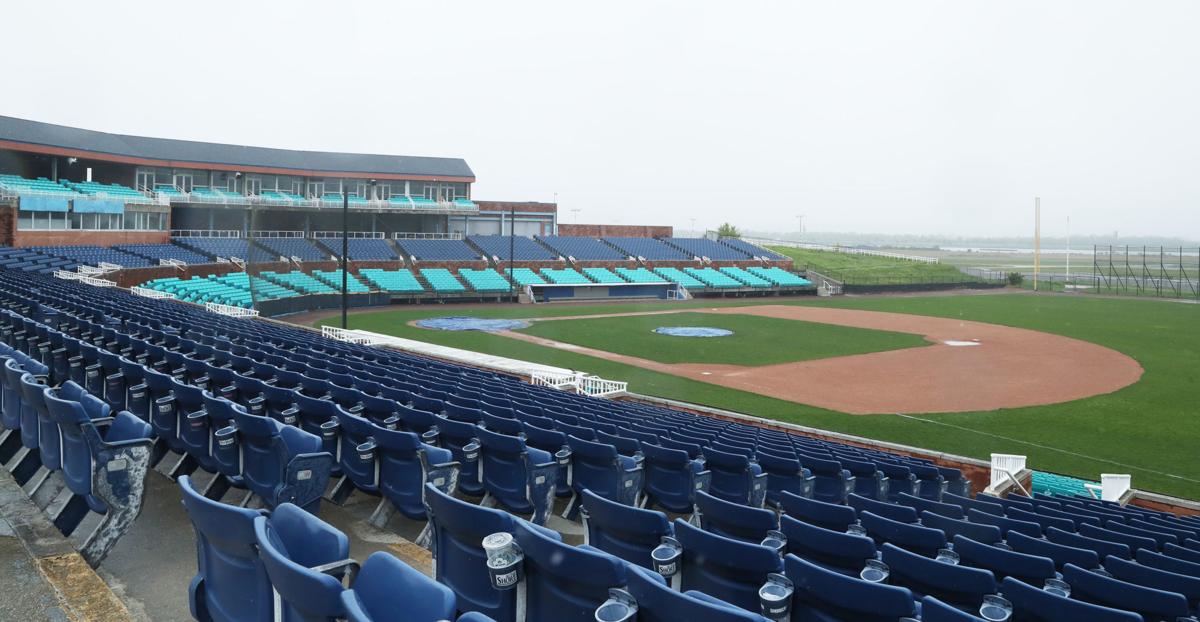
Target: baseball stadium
265	383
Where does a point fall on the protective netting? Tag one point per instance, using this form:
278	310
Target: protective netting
471	323
692	331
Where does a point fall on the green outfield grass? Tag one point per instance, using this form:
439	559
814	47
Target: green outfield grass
755	340
1149	429
872	270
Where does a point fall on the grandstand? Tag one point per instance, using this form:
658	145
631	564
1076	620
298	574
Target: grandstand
582	249
485	281
525	276
814	523
301	282
215	248
393	281
713	278
523	248
438	250
675	275
753	250
334	279
293	247
360	249
163	251
564	276
603	276
648	248
744	277
704	247
442	280
638	275
95	255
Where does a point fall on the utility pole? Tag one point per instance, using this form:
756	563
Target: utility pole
800	217
1037	240
1068	251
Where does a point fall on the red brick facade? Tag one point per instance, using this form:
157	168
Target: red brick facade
25	239
519	206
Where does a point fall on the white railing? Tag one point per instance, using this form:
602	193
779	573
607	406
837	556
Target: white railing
1005	467
1113	486
110	267
838	248
322	235
350	336
230	311
205	233
146	292
409	235
172	262
67	276
555	381
278	234
96	282
599	387
85	269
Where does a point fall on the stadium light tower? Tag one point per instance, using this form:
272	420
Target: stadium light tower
512	243
345	249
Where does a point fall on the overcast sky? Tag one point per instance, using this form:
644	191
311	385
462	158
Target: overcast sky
911	117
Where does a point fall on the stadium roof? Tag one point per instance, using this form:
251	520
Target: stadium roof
38	137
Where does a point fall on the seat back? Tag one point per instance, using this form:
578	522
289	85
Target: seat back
1060	553
1033	604
828	515
460	562
1152	604
846	598
1032	569
659	603
623	531
595	467
1145	576
724	568
961	585
733	520
837	549
670	477
893	511
731	475
231	582
290	543
1102	548
386	585
784	474
915	538
934	610
564	582
987	534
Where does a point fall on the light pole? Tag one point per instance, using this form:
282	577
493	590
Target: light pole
345	250
512	243
800	217
693	225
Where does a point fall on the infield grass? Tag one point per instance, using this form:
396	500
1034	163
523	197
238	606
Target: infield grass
755	340
1150	429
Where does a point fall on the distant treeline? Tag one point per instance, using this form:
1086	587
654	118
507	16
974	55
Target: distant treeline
932	242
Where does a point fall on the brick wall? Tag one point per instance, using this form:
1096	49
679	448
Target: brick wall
8	224
519	206
24	239
618	231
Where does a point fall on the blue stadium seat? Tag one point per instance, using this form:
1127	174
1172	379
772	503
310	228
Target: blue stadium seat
724	568
734	520
836	550
934	610
785	474
1166	562
306	560
841	598
521	478
833	482
564	582
921	504
827	515
921	540
672	478
1004	523
967	503
1150	603
987	534
230	582
1033	604
389	590
1158	579
963	586
1032	569
622	531
1134	542
1061	554
599	468
1102	548
892	511
582	248
658	603
735	478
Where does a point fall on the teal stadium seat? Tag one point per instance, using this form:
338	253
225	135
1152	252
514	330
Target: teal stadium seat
565	276
713	278
603	276
442	281
487	280
780	277
393	281
525	276
638	275
675	275
744	277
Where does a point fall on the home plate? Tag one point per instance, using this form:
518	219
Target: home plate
973	342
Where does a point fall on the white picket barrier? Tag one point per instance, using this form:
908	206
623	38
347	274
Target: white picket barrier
1113	486
230	311
146	292
599	387
1005	467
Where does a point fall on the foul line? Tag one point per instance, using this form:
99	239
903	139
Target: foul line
1040	446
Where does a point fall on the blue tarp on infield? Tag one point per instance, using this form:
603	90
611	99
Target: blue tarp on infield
471	323
692	331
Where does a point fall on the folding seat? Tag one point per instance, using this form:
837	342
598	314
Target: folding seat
1150	603
461	439
827	515
1135	542
599	468
1102	548
724	568
625	446
735	478
1084	510
231	583
1074	519
955	482
959	585
626	532
105	470
658	603
563	582
785	474
987	534
1181	532
934	610
733	520
1159	537
901	479
1158	579
694	450
1033	569
1061	554
387	589
869	481
837	550
20	416
915	538
893	511
306	560
1043	520
1033	604
836	597
1168	563
519	477
1005	524
459	412
49	449
671	478
921	504
1179	552
832	482
501	425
